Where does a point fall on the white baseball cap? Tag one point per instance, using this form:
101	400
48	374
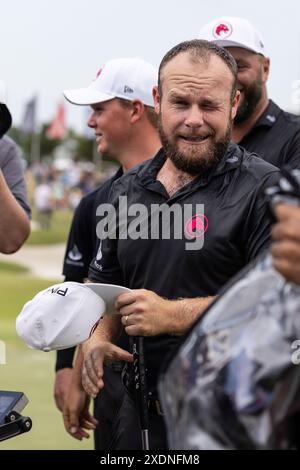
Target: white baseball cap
231	31
66	314
127	78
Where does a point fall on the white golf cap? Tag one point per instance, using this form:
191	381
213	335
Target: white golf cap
127	78
66	314
231	31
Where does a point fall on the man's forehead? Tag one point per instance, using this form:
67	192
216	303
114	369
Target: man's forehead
184	81
187	66
177	91
103	103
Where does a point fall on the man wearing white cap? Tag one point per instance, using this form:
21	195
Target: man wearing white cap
260	125
124	121
15	212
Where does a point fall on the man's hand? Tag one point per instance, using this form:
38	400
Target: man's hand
61	386
95	354
286	242
144	313
76	414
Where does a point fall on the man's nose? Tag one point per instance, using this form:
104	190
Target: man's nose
194	117
91	120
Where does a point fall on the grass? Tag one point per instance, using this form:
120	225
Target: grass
7	268
29	371
57	233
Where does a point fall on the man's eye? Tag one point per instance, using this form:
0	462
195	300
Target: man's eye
209	106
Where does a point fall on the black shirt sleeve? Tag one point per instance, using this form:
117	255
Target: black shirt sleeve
64	358
257	227
292	151
105	265
81	241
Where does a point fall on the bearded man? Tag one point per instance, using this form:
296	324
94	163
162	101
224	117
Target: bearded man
201	217
260	126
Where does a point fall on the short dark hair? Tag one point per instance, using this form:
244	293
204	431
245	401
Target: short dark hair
149	111
203	50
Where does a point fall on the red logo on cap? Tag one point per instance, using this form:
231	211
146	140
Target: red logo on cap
222	30
99	72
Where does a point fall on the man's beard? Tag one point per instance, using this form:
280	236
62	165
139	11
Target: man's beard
252	95
196	161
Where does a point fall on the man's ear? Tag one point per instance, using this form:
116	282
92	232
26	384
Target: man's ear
235	104
137	110
156	98
266	68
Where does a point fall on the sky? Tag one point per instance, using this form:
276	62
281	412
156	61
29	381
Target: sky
52	45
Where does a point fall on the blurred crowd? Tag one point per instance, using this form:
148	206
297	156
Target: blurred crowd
56	186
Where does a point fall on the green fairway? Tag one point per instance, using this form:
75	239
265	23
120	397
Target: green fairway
29	371
7	268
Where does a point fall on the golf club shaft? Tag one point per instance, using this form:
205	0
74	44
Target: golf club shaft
141	388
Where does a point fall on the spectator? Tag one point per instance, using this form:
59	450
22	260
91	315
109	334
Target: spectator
260	126
15	212
44	203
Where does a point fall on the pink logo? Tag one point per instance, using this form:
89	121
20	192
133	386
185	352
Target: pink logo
196	226
98	73
222	30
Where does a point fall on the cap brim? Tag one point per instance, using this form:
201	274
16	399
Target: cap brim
86	96
227	43
109	293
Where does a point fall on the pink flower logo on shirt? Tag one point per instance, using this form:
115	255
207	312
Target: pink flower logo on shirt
196	226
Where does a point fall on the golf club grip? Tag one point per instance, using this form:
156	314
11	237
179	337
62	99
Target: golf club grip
140	380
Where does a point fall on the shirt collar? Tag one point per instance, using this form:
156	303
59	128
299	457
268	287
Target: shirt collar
118	174
149	171
230	161
269	116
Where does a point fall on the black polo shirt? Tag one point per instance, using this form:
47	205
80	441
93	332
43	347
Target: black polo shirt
237	230
275	137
